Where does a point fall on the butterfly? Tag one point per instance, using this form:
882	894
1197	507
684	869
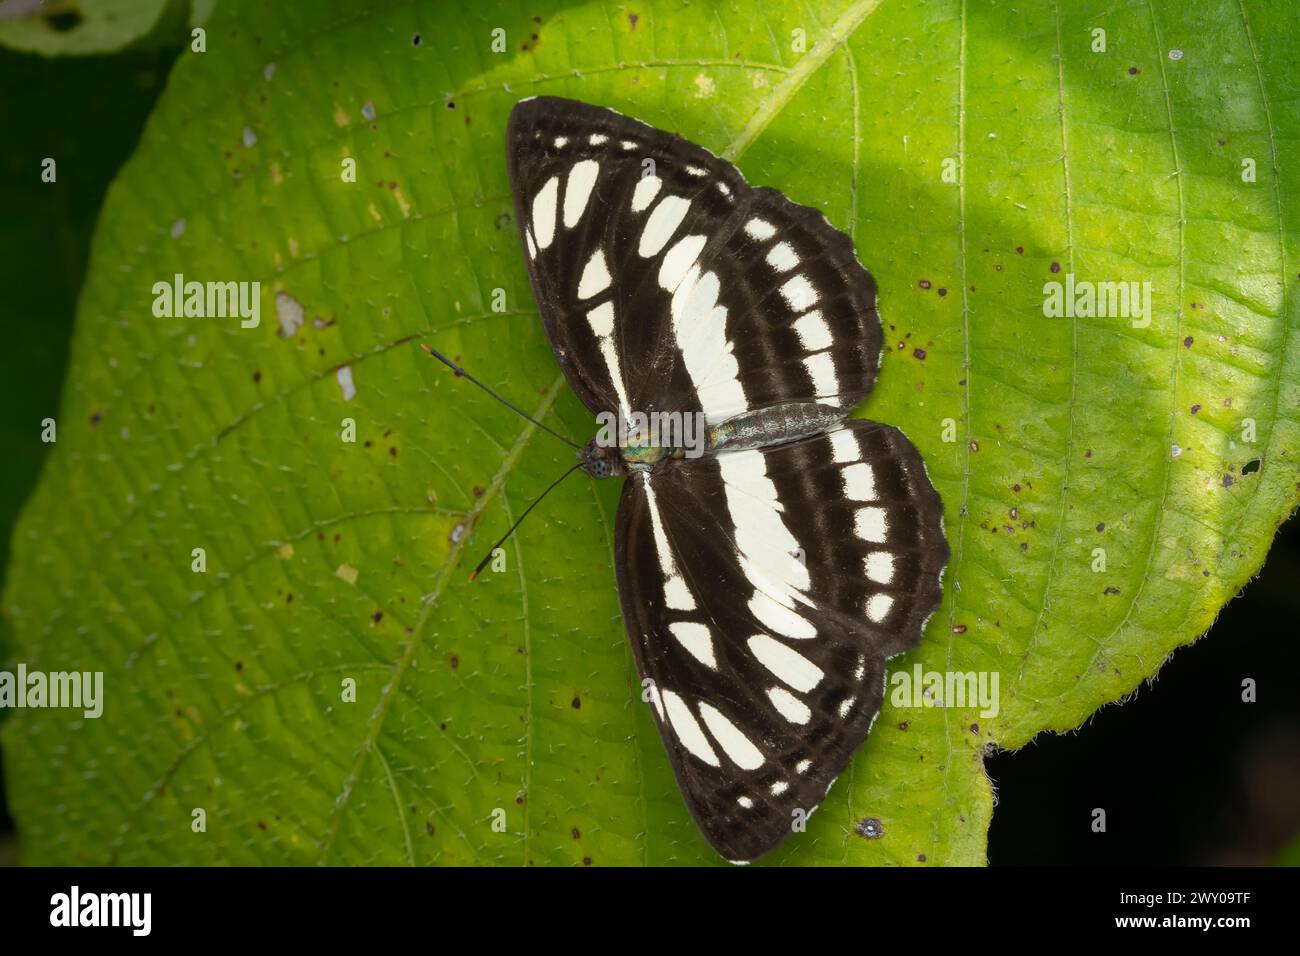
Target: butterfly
768	568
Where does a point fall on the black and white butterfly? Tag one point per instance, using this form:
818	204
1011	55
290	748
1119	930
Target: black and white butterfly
765	582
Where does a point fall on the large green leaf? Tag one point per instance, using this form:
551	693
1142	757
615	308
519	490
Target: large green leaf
329	560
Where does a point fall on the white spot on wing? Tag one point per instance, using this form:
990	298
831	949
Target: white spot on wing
700	327
544	204
739	748
678	260
595	280
688	730
780	618
844	445
870	524
610	353
814	333
645	192
821	368
782	258
577	190
789	706
661	224
601	319
764	542
760	229
859	482
799	293
697	640
788	666
880	567
676	594
878	606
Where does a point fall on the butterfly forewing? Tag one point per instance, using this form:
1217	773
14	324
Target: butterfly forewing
763	591
667	283
596	196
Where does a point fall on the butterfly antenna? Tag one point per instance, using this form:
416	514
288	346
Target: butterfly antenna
460	372
536	501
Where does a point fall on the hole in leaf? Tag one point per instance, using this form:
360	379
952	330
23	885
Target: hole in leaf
1250	467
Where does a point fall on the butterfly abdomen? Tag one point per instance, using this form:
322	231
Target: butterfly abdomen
772	425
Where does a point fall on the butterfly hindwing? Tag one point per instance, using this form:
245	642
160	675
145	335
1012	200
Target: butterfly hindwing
667	283
763	591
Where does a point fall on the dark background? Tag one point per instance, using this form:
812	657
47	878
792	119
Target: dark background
1186	772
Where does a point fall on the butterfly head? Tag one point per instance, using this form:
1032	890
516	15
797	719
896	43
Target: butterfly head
601	461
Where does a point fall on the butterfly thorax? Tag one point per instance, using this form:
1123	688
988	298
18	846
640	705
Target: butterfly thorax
602	460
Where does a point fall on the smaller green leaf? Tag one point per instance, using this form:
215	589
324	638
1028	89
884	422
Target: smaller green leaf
81	27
